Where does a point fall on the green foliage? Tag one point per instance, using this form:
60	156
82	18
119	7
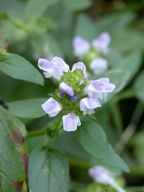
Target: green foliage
17	67
11	151
138	144
92	137
35	9
48	171
30	108
34	29
94	187
130	63
138	86
77	4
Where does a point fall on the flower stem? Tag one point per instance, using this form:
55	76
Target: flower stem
57	127
131	128
52	131
117	119
36	133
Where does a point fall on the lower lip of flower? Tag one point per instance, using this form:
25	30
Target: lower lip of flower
73	98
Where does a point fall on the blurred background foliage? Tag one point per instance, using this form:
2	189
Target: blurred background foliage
34	28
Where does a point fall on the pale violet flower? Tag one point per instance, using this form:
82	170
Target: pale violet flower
88	104
102	175
81	66
53	68
81	46
101	43
75	95
99	88
70	122
66	89
52	107
99	65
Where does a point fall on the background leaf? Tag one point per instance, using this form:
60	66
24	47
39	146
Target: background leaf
77	4
17	67
130	63
30	108
11	167
48	171
35	8
92	137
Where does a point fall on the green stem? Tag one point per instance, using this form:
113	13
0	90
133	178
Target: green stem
131	128
50	131
56	130
137	113
117	119
36	133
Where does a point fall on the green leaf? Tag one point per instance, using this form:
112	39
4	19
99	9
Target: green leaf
78	4
125	40
93	139
35	8
48	171
130	63
114	22
82	23
18	67
12	131
14	8
119	77
139	86
111	23
30	108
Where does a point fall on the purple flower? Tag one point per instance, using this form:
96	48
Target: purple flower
70	122
101	43
81	66
74	98
53	68
98	88
81	46
99	65
66	88
88	104
52	107
75	84
102	175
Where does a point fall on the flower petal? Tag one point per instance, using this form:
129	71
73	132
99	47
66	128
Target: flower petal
60	64
81	46
53	68
87	105
52	107
70	122
101	43
102	175
99	65
100	85
66	88
45	65
99	88
81	66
